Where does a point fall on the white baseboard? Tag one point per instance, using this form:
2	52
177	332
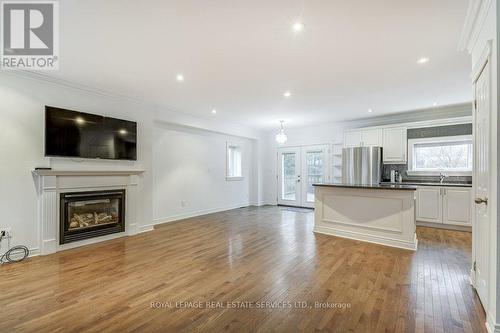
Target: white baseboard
412	246
48	246
491	326
264	203
444	226
257	204
178	217
132	229
146	228
472	278
34	252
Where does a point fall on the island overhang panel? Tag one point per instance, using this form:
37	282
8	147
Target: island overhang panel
380	214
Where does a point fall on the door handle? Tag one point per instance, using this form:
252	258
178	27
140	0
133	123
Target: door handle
481	200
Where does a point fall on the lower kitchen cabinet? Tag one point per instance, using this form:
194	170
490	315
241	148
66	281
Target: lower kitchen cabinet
446	205
457	204
429	204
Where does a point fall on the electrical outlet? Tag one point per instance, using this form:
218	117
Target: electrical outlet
5	232
183	203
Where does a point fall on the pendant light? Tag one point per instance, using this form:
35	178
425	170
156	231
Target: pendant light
281	136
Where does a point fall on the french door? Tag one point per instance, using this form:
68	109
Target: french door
298	169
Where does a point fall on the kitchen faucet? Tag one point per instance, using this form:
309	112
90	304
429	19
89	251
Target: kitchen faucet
442	176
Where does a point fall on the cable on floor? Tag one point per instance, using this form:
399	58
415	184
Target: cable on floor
15	254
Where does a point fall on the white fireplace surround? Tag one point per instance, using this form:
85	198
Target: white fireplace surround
51	183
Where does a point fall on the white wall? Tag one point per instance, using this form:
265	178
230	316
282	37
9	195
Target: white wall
23	97
189	173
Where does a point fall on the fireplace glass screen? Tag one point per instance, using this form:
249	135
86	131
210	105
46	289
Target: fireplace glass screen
91	214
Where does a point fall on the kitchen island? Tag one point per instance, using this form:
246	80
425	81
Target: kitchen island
382	213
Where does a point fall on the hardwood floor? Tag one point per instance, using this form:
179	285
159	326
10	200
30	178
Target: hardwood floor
252	255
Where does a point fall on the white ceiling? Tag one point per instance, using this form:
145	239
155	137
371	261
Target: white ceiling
241	56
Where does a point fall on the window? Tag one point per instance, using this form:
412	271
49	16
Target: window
234	162
451	155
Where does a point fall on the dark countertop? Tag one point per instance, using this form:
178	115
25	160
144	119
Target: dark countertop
430	184
403	187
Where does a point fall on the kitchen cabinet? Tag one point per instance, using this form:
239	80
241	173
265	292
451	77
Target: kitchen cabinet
457	206
443	204
363	138
371	138
352	139
391	139
429	204
394	145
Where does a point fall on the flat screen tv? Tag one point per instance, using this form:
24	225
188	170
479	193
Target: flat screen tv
83	135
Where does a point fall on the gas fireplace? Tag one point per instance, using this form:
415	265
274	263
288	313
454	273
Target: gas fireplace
91	214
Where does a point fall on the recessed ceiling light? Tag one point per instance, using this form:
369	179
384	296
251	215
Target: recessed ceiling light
79	120
214	111
370	110
298	26
180	77
435	103
287	94
423	60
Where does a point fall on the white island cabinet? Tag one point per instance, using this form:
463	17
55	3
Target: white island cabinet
381	214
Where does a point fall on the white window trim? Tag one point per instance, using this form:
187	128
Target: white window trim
412	142
228	177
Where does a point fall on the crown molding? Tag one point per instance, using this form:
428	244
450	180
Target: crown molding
42	77
474	21
444	112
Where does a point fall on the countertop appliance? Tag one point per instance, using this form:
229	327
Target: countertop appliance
362	165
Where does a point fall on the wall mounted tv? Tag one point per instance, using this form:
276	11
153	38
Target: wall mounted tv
84	135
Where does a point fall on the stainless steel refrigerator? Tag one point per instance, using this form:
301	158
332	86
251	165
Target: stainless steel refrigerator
362	165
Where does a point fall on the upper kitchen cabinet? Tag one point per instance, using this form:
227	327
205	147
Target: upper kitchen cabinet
352	139
394	145
363	138
372	137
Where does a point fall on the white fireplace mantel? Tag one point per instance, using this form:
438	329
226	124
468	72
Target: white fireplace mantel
46	172
51	183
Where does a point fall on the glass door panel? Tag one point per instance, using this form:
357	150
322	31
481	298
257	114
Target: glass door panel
289	176
289	182
314	170
314	165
